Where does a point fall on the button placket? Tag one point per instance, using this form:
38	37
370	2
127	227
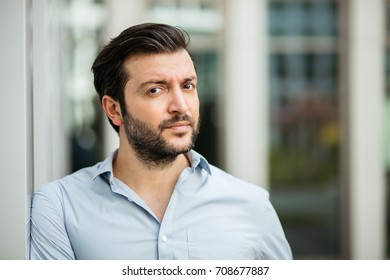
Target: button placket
165	244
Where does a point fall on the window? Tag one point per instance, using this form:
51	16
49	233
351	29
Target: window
304	138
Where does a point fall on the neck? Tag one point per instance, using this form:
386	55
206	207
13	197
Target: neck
140	175
154	183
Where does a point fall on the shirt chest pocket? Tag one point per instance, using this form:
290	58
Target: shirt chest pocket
205	244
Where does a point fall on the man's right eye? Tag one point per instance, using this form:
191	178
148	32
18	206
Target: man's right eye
154	91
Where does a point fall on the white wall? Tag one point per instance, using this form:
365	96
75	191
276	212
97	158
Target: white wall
16	128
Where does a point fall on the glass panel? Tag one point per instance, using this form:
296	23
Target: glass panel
303	17
207	71
78	53
304	138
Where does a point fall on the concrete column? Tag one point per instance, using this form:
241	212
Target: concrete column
245	94
366	99
16	128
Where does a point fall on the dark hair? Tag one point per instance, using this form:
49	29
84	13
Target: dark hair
110	77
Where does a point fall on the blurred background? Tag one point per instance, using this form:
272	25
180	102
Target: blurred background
294	97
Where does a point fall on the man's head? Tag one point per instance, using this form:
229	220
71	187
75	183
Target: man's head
146	80
110	77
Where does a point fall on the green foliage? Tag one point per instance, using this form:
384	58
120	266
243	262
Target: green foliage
293	167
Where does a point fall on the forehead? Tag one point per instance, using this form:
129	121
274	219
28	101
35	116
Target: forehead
165	65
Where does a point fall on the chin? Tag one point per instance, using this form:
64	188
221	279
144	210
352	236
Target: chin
181	148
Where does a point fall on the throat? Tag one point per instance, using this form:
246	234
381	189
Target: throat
158	204
153	183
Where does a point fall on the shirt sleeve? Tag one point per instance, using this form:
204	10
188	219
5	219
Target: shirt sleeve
274	243
48	235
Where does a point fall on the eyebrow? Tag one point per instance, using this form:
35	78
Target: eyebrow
189	79
162	82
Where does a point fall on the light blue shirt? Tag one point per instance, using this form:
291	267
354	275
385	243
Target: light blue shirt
211	215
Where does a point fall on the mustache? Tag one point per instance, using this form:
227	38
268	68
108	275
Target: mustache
177	118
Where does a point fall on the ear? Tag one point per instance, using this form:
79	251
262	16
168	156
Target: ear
112	109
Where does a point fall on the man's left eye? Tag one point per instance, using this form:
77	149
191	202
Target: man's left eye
189	86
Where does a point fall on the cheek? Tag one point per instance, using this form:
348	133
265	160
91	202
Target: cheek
194	105
145	113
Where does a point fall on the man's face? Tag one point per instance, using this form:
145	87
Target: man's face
161	119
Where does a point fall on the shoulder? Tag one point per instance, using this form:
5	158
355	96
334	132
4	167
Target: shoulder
227	181
224	184
74	182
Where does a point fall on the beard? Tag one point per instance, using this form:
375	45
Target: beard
150	146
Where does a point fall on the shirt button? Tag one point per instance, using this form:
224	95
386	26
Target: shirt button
164	238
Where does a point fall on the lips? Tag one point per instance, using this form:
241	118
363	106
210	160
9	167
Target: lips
179	127
179	124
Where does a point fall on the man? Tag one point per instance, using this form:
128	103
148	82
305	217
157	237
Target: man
153	198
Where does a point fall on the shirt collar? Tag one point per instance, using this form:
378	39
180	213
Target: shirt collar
105	167
196	160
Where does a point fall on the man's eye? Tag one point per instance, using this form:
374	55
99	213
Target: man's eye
189	86
154	91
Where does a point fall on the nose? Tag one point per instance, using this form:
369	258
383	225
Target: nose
178	102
